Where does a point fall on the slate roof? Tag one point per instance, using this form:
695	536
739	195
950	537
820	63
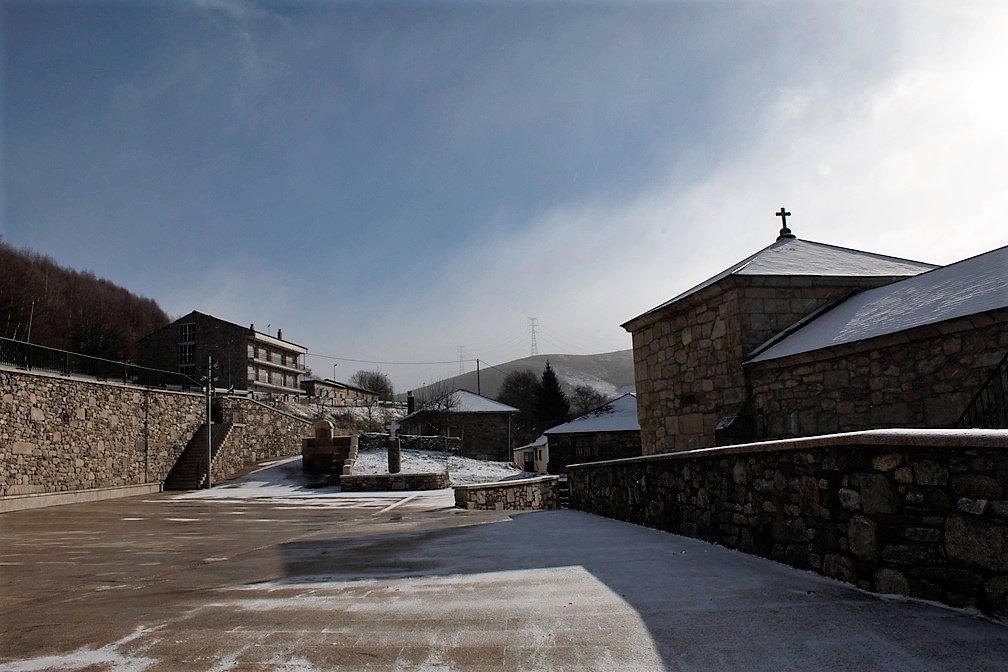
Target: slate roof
969	287
792	257
619	415
464	401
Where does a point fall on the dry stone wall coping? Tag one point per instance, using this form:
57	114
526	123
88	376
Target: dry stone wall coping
934	438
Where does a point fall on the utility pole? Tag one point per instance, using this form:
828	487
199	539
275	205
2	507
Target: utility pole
461	356
478	391
532	330
31	315
209	423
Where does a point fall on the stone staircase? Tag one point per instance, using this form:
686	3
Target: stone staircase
563	493
190	471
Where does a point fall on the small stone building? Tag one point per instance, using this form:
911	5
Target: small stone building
246	359
910	354
688	352
337	394
483	424
609	432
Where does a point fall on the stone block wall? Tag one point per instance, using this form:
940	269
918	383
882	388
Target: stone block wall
263	433
435	480
687	356
530	494
604	446
62	434
916	513
923	377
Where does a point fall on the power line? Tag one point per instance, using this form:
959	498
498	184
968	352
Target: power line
374	361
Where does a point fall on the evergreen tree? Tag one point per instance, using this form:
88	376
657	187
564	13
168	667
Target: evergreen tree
553	408
521	390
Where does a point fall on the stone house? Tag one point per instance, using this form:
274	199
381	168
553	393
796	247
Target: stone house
692	389
337	394
608	432
482	424
910	354
246	359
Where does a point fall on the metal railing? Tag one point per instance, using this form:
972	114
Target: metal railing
989	408
32	357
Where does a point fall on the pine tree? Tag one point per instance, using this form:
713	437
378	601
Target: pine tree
553	408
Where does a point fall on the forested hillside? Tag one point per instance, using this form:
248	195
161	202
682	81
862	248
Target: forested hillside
74	310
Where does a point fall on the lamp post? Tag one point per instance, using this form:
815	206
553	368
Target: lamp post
209	423
31	316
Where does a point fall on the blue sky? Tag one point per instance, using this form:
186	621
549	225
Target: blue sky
390	181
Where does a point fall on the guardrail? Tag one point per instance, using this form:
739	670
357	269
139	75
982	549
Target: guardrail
32	357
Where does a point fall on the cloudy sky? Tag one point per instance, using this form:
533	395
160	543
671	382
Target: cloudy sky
389	181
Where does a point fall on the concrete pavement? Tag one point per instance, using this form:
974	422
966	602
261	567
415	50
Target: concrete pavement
403	582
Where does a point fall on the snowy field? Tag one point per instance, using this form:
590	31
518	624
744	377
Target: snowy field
462	470
283	479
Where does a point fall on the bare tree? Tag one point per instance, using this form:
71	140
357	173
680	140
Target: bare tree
586	398
374	381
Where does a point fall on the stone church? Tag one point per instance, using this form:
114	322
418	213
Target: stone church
804	338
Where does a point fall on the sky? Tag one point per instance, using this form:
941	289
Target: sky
410	182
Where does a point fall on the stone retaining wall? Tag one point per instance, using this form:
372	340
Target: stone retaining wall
62	434
529	494
435	480
921	513
260	432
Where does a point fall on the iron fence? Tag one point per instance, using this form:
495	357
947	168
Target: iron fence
32	357
989	408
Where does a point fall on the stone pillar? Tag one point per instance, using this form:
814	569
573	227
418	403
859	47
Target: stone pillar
394	456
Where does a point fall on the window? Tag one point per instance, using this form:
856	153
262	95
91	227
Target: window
186	353
583	448
187	333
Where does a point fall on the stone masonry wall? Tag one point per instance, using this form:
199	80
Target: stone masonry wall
923	377
530	494
263	433
604	446
915	513
435	480
688	356
61	434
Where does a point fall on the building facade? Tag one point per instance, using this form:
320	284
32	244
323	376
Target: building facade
688	352
482	424
610	432
245	359
334	393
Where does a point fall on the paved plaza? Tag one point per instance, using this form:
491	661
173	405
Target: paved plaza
279	578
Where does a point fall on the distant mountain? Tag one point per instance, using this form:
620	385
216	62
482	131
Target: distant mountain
611	373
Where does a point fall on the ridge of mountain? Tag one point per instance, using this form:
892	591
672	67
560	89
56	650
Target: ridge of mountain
611	373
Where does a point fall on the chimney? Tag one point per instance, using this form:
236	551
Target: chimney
410	402
280	334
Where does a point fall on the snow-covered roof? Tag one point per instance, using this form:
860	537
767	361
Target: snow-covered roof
619	415
792	256
464	401
968	287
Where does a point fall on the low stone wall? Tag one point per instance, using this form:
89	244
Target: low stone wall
921	513
260	432
435	480
61	434
528	494
373	441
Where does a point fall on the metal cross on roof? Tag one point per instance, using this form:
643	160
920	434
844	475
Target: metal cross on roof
785	232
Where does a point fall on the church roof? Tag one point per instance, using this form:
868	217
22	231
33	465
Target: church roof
790	256
972	286
619	415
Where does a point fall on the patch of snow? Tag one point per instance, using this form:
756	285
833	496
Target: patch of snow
965	288
619	415
461	470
